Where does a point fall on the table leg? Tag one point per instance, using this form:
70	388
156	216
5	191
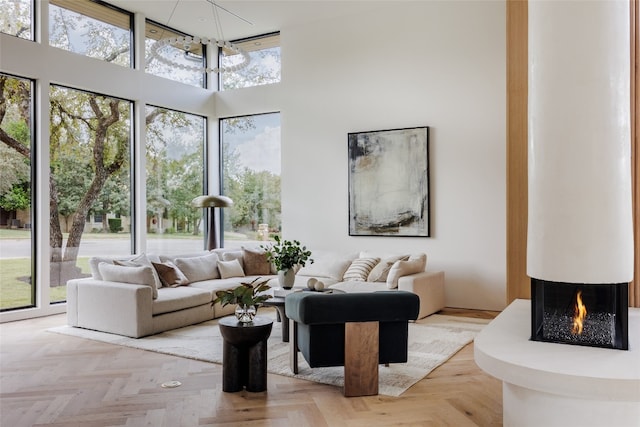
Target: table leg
257	366
285	325
232	367
293	346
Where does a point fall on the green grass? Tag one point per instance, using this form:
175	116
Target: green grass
16	293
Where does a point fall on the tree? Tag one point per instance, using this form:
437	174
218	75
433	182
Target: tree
15	154
83	126
175	163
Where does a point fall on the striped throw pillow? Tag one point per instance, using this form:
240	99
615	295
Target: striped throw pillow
360	268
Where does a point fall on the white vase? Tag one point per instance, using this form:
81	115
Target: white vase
287	278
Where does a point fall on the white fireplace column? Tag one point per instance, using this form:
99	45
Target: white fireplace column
580	218
580	213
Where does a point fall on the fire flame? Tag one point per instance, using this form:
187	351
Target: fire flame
580	313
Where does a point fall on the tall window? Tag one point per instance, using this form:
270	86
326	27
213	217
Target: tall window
251	177
91	29
263	69
191	55
16	18
16	265
175	175
90	150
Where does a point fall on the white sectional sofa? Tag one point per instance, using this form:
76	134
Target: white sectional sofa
146	294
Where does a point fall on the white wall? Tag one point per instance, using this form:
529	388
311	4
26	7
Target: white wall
436	64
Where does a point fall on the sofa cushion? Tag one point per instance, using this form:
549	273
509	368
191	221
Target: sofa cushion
96	260
229	269
231	255
327	265
222	284
170	275
183	297
255	262
415	264
357	286
135	275
172	258
142	260
380	272
360	268
199	268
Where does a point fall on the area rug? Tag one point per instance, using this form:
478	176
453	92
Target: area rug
432	341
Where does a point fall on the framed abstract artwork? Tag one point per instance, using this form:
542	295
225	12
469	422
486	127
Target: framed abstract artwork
389	183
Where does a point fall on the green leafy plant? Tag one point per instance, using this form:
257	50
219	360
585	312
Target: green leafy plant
115	224
247	294
286	254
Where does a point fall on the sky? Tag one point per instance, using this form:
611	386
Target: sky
259	148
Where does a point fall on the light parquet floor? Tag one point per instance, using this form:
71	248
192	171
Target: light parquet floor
47	379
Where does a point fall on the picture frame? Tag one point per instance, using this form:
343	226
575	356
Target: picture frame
389	183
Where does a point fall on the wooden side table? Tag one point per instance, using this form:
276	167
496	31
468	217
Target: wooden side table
244	357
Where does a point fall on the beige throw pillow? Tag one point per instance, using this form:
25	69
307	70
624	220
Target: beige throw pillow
380	272
327	265
139	275
231	255
199	268
415	264
170	275
255	262
95	261
139	260
359	269
230	269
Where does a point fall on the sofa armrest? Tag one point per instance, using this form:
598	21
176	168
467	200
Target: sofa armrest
429	286
119	308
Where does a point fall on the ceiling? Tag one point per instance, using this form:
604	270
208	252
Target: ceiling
195	17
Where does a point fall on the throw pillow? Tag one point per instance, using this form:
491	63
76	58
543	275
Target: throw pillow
255	262
415	264
143	260
231	255
327	265
230	269
380	272
95	261
140	275
170	275
360	268
199	268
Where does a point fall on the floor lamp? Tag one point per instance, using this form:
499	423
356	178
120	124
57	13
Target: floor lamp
212	202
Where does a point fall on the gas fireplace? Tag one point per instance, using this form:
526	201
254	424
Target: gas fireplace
593	315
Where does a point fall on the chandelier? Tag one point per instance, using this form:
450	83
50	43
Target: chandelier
185	42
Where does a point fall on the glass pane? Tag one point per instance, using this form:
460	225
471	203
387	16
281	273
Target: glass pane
90	146
251	178
181	55
16	17
91	29
263	69
175	175
16	288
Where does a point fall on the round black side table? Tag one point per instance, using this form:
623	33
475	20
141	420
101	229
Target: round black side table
244	357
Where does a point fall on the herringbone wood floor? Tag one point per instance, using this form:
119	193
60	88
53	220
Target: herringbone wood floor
49	379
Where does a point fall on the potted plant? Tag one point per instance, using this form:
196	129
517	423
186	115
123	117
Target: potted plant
247	296
286	255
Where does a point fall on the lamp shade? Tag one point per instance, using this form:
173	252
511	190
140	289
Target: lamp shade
212	202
